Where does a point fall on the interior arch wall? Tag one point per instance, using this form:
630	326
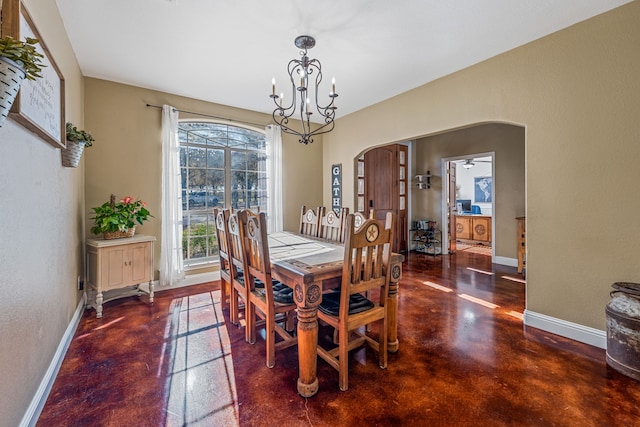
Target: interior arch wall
577	94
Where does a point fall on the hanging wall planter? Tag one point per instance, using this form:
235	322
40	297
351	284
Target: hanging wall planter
76	141
72	154
18	60
11	76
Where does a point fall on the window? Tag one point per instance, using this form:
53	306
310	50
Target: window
221	165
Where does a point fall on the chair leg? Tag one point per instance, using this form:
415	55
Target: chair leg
270	336
343	356
290	323
250	319
224	287
234	306
383	344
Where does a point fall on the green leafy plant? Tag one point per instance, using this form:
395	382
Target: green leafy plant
121	216
24	54
76	135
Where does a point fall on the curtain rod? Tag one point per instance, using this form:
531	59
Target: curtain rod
210	116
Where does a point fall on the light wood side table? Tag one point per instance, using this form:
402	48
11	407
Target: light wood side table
117	264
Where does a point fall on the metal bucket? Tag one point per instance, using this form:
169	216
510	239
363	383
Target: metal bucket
11	76
623	329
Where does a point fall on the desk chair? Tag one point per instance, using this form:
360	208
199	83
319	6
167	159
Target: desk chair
366	267
273	299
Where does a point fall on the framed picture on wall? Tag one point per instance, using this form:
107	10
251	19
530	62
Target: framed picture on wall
483	189
39	106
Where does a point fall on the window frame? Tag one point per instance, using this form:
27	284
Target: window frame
230	146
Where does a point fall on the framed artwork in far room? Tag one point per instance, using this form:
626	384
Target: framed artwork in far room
483	189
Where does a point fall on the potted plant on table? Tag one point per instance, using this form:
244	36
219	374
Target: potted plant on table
18	60
77	140
116	220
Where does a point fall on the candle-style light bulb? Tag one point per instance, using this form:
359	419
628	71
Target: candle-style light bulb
273	86
333	85
281	98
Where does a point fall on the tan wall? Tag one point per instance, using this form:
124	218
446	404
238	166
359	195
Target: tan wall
126	158
507	142
577	93
41	226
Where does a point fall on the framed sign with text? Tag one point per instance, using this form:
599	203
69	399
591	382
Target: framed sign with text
39	106
336	188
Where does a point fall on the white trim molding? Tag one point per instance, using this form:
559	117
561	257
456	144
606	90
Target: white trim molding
196	279
574	331
39	399
510	262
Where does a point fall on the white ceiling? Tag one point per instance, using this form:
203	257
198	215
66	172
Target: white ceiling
227	51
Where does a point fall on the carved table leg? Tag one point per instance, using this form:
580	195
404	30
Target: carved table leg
392	309
307	303
99	304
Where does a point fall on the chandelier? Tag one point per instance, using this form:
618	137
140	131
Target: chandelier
304	73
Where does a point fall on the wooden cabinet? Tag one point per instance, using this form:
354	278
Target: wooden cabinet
481	228
463	227
473	227
116	264
522	243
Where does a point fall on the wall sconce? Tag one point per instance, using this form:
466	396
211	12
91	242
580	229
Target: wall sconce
424	181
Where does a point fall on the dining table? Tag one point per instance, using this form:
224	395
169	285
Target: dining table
309	266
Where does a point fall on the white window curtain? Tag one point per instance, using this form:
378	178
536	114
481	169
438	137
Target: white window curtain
273	138
171	266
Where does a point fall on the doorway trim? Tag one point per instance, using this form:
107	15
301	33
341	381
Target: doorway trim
443	203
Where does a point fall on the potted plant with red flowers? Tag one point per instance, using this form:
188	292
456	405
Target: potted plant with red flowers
116	220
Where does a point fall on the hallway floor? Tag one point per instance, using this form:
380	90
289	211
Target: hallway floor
465	359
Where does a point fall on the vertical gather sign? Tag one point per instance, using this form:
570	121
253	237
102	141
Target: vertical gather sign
39	106
336	188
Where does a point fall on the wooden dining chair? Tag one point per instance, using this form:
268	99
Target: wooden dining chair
331	225
273	302
309	221
239	292
366	268
226	268
360	218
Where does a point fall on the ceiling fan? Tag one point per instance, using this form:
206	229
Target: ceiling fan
469	163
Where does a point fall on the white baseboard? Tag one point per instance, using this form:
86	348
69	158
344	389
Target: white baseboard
37	403
192	279
39	399
511	262
574	331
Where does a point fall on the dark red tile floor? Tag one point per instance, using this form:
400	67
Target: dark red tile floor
465	359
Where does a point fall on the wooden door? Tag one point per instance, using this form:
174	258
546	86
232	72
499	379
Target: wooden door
451	206
385	171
